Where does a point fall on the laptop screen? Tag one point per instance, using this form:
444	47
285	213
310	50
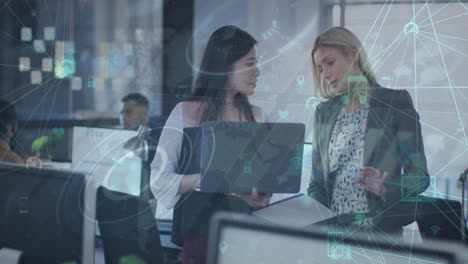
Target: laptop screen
101	153
239	241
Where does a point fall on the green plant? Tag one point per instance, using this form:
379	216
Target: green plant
47	144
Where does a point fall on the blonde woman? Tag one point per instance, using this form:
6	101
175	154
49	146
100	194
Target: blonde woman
367	144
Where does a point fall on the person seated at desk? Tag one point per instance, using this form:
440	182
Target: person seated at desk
8	134
135	116
364	135
227	76
8	131
135	111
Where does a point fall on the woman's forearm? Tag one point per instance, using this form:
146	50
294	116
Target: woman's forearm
189	183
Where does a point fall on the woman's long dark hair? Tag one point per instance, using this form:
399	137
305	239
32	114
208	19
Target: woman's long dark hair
225	46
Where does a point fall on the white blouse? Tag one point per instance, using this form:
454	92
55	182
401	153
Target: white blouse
164	180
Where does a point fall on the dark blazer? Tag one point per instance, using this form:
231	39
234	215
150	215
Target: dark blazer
392	143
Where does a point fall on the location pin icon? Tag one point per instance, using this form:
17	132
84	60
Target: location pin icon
223	247
274	23
300	80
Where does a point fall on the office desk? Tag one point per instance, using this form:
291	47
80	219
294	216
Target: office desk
58	165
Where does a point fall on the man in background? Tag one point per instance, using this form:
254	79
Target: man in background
135	116
8	130
135	111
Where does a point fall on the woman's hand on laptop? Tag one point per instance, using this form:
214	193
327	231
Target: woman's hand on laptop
254	199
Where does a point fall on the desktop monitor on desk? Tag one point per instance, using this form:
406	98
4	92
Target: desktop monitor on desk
47	213
238	238
101	154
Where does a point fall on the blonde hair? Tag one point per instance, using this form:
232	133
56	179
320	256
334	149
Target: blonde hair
343	40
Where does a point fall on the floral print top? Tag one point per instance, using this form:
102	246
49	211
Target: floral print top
346	158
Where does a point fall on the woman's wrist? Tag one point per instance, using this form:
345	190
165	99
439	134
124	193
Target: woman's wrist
197	182
382	192
189	183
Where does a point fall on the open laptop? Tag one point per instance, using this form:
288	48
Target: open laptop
47	213
103	155
239	156
236	238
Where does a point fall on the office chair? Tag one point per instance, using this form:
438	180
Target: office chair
128	228
440	219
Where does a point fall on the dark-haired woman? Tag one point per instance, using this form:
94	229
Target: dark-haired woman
227	76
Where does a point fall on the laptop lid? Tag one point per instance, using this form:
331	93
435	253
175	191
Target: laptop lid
236	238
103	155
239	156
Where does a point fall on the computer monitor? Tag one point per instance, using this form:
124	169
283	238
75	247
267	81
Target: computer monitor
238	238
47	213
103	155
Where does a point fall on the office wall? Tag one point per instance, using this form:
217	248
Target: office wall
285	31
63	61
128	42
423	48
